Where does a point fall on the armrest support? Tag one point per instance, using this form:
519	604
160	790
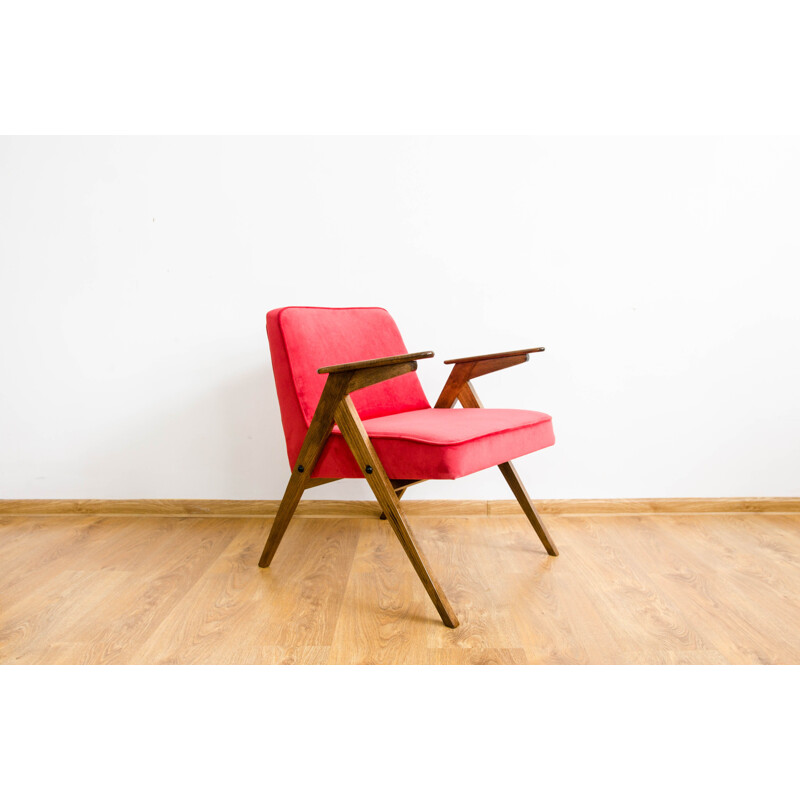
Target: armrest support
341	380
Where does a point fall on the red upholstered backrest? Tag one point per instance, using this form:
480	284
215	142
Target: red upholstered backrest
301	340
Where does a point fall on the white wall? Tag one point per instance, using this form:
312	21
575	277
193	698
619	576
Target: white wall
661	275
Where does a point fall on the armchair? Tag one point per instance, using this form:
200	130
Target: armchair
366	416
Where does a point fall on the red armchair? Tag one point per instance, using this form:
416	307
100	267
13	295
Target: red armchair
352	407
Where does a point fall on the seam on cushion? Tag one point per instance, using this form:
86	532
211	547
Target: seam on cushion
428	443
407	438
289	360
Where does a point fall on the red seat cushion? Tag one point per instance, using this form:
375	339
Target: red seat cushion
441	442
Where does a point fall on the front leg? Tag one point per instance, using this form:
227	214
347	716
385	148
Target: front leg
318	433
469	399
371	467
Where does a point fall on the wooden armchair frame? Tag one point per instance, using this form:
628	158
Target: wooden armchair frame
336	407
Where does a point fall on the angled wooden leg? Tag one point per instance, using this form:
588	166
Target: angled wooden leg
399	493
469	399
318	432
291	497
357	439
512	479
298	483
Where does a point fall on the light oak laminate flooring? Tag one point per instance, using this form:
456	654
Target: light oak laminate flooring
649	589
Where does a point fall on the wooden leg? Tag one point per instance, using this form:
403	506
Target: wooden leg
357	439
318	432
399	493
512	479
468	398
291	497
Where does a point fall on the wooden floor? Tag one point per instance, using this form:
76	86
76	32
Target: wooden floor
657	589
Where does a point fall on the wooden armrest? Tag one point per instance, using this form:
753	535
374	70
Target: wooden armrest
507	354
465	369
377	362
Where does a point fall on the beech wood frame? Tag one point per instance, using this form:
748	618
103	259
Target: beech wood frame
336	406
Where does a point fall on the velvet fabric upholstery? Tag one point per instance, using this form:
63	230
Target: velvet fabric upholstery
413	440
301	340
